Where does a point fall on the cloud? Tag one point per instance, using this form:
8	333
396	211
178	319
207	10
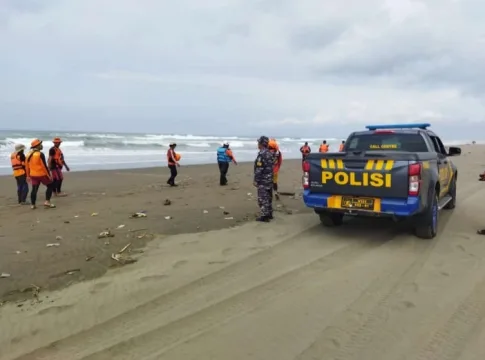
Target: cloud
242	66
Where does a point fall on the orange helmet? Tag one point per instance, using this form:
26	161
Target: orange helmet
273	144
57	140
35	143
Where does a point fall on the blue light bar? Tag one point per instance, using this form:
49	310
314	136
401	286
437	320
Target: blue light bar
398	126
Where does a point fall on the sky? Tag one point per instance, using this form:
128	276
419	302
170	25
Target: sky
275	67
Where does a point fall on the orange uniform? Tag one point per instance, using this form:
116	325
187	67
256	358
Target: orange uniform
323	148
18	166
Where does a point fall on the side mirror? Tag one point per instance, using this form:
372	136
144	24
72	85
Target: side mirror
454	151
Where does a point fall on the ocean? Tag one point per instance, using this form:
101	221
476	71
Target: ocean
95	151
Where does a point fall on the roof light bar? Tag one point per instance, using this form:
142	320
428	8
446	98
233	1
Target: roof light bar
423	126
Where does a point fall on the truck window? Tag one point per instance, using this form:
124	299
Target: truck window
439	147
387	142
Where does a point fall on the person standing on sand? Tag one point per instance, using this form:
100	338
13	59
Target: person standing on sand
173	162
305	151
263	179
38	173
224	158
17	158
278	160
56	163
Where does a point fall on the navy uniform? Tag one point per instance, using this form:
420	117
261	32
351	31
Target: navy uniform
263	179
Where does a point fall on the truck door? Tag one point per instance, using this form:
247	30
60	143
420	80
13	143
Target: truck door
444	166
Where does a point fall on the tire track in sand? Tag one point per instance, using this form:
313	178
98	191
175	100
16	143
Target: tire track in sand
133	331
368	312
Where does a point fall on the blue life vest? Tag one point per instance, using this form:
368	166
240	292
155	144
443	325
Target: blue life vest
222	156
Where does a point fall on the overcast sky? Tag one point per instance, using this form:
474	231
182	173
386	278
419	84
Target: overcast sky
279	67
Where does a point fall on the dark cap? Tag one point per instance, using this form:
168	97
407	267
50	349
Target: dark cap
264	141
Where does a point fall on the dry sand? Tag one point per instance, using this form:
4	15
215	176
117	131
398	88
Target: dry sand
286	290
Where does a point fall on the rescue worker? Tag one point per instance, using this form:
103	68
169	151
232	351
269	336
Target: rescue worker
278	159
324	147
56	164
341	147
173	163
38	173
17	158
305	151
263	179
224	158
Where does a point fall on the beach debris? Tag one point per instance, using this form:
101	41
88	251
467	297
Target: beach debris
167	202
67	222
122	258
76	216
135	230
18	252
89	258
250	194
4	275
138	215
141	236
120	226
72	271
226	212
53	244
481	232
221	207
205	212
286	193
105	234
94	214
229	218
59	238
168	217
124	248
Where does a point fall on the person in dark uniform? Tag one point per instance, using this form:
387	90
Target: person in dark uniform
263	179
224	158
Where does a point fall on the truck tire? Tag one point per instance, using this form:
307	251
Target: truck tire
452	193
330	219
427	226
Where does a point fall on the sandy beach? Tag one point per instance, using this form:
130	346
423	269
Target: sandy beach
210	283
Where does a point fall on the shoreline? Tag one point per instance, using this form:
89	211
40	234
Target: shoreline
57	247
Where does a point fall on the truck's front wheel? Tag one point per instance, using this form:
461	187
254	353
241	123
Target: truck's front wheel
331	219
427	226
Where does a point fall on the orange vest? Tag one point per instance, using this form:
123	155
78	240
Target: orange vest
58	158
305	150
341	147
18	166
35	165
323	148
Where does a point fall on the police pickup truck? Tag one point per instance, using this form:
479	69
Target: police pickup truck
397	171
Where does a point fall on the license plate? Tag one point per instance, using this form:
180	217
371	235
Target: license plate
357	203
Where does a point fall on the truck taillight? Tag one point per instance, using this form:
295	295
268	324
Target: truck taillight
306	175
414	173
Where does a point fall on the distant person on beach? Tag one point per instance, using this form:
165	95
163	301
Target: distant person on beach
56	163
278	160
341	147
305	151
17	158
173	162
263	179
38	173
324	147
224	158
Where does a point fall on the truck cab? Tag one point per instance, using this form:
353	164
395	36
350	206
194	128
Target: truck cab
397	171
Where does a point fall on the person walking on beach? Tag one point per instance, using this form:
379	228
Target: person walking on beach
38	173
224	158
278	160
305	151
341	147
17	158
263	179
173	162
324	147
56	163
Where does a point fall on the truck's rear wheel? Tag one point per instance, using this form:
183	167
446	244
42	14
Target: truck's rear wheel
427	226
331	219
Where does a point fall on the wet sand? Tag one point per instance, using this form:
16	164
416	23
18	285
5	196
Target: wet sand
287	290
